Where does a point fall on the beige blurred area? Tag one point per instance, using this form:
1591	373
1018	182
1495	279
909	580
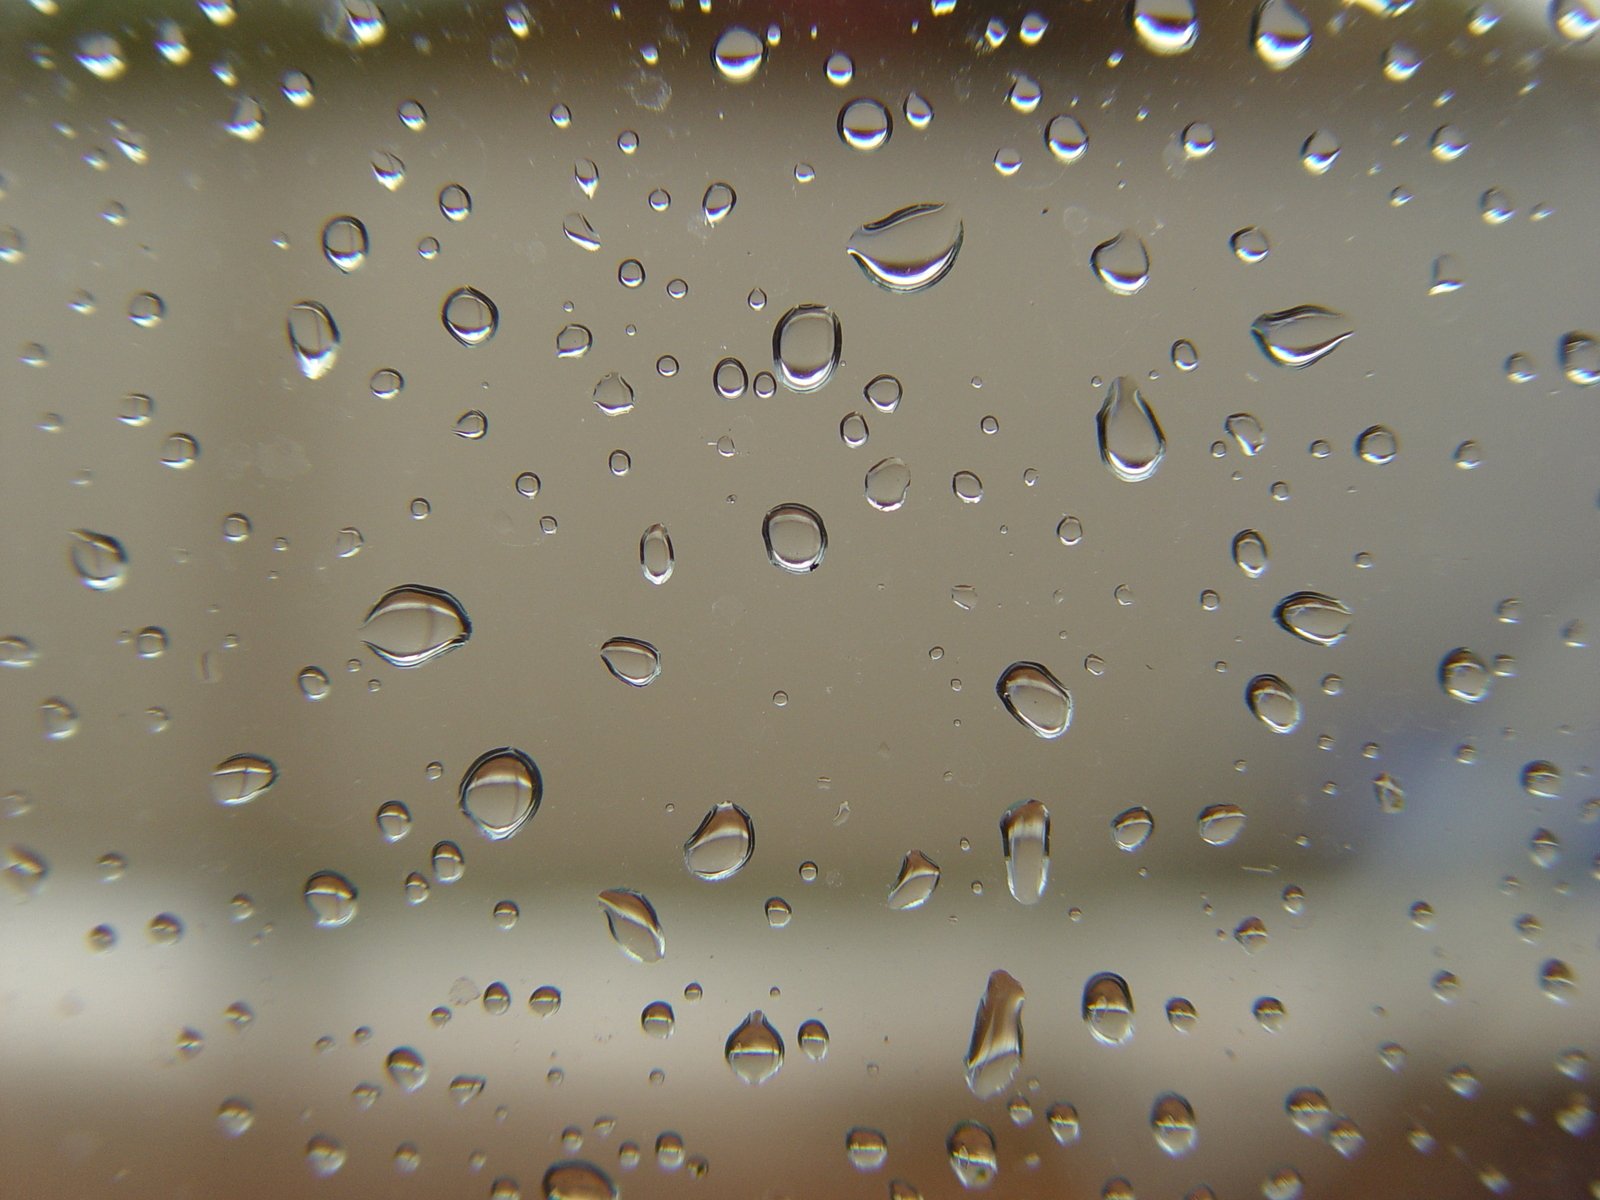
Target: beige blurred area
890	736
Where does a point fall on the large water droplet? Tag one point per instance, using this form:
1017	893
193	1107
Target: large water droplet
973	1156
240	779
407	1068
99	560
413	624
1465	676
1036	698
995	1054
1165	26
331	898
314	338
1314	617
1281	33
656	557
1274	703
738	54
1122	263
754	1050
887	483
806	344
634	662
919	876
1172	1124
633	924
344	242
909	250
1108	1008
722	844
1025	842
1301	336
470	316
1132	445
501	791
1575	20
865	124
795	537
576	1180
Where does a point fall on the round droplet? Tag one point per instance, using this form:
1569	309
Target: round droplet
394	820
1172	1123
242	778
633	925
470	316
1465	676
1036	698
1274	703
918	112
100	561
331	898
887	483
577	1180
806	344
813	1038
1131	829
1281	34
1069	531
1250	245
146	309
1122	263
413	624
866	1149
634	662
738	54
455	202
795	538
314	338
1448	143
1181	1014
754	1050
500	792
1250	553
909	250
1313	617
1066	138
1378	445
388	170
865	124
406	1068
1542	780
1132	445
1165	26
573	341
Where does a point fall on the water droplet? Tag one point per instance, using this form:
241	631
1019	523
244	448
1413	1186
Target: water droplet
973	1156
717	202
1280	33
1220	824
579	232
248	120
1132	445
1314	618
657	1019
1542	780
887	484
1064	1125
1172	1123
1199	140
1069	531
1301	336
235	1116
1575	20
1448	143
806	344
413	624
101	55
1122	263
295	86
1132	828
656	557
1274	703
730	378
324	1156
909	250
1400	62
795	537
331	898
633	924
1465	676
388	170
573	341
1580	358
634	662
865	124
99	560
500	792
1319	152
915	885
754	1050
1025	842
1035	698
406	1068
1558	981
394	820
995	1054
1250	553
866	1149
313	337
240	779
1250	245
1165	26
24	869
471	425
966	485
722	843
470	316
1377	445
358	23
577	1180
738	54
1308	1108
455	202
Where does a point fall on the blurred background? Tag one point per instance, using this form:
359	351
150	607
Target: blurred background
1231	365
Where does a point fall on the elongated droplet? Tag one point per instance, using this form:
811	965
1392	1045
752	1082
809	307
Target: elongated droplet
1314	617
1302	336
795	537
314	338
909	250
501	791
754	1050
973	1156
722	844
1131	442
634	662
1108	1008
656	558
344	242
1172	1123
1165	26
331	898
579	232
1035	698
633	925
806	344
995	1054
99	560
1122	264
577	1180
240	779
413	624
470	316
1250	553
1025	842
1281	34
919	876
1465	676
887	484
1274	703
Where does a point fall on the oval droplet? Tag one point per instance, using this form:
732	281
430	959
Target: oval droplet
1281	34
814	1040
240	779
1122	263
909	250
1302	336
99	559
634	662
1066	138
806	344
313	337
887	483
1465	676
331	898
973	1156
795	537
413	624
1036	698
633	924
722	843
915	885
1108	1008
1250	553
500	792
1132	445
1172	1123
1274	703
718	202
995	1054
1313	617
1131	829
344	242
754	1050
656	558
1220	824
470	316
1025	843
1165	26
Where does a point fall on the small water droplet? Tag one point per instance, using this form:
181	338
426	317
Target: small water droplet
313	337
1132	445
470	316
331	898
406	1068
241	779
99	559
995	1054
1220	824
656	557
573	341
455	202
388	170
795	538
1025	843
1132	828
633	925
754	1050
1250	245
1448	143
1274	703
973	1156
722	844
909	250
1319	152
1465	676
1377	445
1173	1125
1580	358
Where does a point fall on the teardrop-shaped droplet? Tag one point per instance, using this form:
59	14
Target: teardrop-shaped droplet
1246	431
1314	617
1172	1124
722	844
909	250
406	1068
470	316
314	338
1302	336
99	560
1465	676
718	202
344	242
240	779
1165	26
1025	842
1132	445
887	483
413	624
995	1054
1035	698
1122	263
795	537
634	662
1274	703
501	791
579	232
633	924
1250	553
806	344
738	54
754	1050
656	557
331	898
919	876
1108	1008
1281	34
577	1180
973	1156
1132	828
